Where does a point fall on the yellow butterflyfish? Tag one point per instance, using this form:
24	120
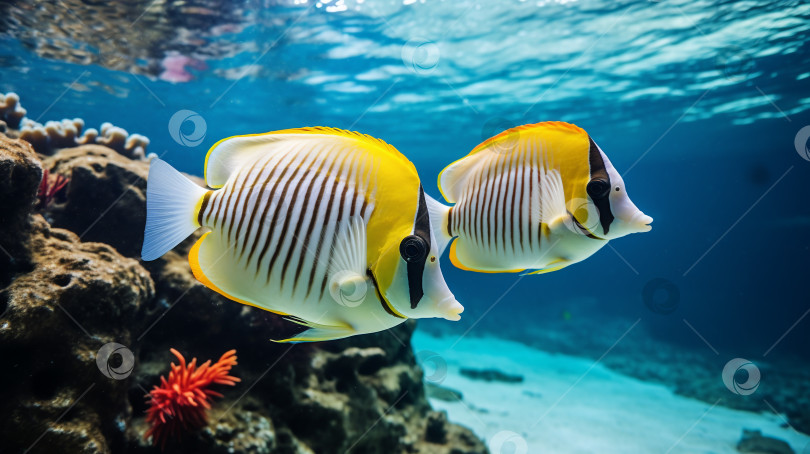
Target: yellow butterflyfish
533	199
329	228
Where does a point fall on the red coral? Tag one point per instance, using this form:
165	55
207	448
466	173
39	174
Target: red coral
50	185
180	403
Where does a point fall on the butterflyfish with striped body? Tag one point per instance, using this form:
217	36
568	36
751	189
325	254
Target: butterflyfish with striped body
533	199
329	228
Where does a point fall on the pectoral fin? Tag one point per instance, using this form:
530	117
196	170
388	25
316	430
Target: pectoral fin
349	251
552	203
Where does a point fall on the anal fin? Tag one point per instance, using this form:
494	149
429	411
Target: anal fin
553	266
318	332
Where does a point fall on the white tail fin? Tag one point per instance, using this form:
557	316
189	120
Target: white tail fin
438	222
171	209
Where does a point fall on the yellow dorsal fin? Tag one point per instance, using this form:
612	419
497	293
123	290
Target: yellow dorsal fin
452	178
227	155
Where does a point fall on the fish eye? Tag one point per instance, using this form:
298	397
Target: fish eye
617	189
432	259
413	249
598	188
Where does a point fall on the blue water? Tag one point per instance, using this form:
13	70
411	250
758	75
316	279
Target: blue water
697	103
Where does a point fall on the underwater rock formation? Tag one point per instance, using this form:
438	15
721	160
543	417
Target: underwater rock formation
59	305
106	196
62	299
20	175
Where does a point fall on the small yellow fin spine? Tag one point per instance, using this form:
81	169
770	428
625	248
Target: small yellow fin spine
194	261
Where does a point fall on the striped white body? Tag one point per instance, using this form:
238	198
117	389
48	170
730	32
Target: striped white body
276	224
506	203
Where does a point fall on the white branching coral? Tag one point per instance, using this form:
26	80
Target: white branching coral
53	135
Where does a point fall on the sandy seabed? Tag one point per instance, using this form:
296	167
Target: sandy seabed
568	405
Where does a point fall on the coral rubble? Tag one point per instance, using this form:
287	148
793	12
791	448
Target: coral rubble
63	299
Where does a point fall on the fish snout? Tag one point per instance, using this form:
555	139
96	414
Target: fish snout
641	222
450	308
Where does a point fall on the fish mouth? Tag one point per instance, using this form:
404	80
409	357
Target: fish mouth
450	309
641	222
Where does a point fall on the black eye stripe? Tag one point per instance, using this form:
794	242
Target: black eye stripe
421	226
416	268
599	172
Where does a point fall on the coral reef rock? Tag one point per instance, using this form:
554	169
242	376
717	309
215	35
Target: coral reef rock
106	197
55	314
20	175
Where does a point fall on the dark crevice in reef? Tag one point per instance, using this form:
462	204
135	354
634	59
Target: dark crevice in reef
62	298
